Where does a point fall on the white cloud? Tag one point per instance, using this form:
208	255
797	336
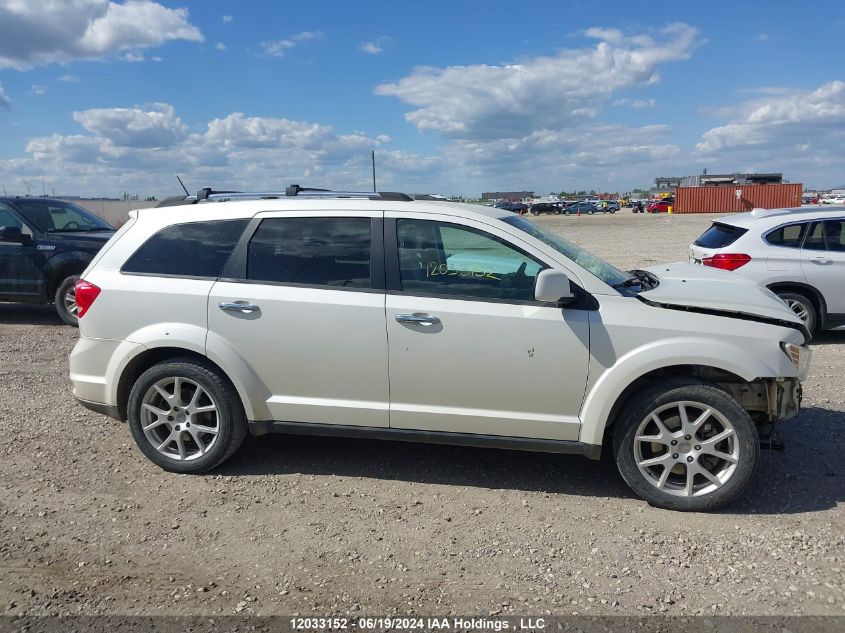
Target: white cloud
140	148
486	101
60	31
376	46
69	79
637	104
220	46
4	100
226	19
800	132
157	126
131	57
278	48
761	37
38	89
780	120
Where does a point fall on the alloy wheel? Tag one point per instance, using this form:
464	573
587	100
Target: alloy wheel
799	309
686	449
179	418
69	301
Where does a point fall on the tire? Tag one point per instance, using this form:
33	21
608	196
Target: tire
535	212
803	308
567	212
556	211
742	444
182	454
590	212
65	300
613	211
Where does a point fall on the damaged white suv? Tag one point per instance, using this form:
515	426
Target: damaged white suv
376	316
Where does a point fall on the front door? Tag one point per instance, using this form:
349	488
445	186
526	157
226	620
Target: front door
823	262
471	351
306	316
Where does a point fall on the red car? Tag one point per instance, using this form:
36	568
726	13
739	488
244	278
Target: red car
660	206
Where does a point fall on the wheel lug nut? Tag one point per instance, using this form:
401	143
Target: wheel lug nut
170	418
697	447
689	459
674	442
687	437
674	456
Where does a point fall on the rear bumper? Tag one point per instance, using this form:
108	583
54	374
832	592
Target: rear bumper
99	407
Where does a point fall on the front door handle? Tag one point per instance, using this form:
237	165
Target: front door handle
243	307
418	318
820	260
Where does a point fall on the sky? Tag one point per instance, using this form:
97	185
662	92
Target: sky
101	97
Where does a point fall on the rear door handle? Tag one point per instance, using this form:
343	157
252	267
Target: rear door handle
418	318
820	260
244	307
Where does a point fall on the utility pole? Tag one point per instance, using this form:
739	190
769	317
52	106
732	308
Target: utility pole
373	156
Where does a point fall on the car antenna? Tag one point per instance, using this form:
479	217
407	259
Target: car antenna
183	186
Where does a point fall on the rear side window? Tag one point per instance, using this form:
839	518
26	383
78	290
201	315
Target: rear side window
720	235
790	235
332	252
194	249
835	231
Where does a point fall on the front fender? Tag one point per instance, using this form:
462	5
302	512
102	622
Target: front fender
640	361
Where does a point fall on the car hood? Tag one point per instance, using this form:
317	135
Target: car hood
686	285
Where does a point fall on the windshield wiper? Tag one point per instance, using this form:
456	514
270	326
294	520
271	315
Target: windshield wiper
633	281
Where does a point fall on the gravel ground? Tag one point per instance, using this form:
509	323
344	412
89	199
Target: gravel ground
308	525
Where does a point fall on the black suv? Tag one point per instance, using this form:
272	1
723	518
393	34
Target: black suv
44	246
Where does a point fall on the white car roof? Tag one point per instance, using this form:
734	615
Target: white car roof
764	218
248	208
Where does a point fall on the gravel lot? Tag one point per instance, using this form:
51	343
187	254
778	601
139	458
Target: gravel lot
309	525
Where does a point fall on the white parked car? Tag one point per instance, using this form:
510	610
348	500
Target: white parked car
375	316
797	253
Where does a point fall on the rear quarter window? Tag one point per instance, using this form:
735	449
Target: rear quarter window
720	235
193	249
789	236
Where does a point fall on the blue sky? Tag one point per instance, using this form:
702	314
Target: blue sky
100	97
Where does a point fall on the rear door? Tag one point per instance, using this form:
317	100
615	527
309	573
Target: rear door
823	262
471	351
302	304
20	270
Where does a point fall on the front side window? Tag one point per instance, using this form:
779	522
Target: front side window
193	249
790	235
56	216
608	273
331	252
447	259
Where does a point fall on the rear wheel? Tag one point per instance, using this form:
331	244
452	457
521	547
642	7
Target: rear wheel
535	211
65	300
556	211
803	308
185	416
590	211
686	445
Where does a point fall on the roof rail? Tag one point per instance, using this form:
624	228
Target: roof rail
209	195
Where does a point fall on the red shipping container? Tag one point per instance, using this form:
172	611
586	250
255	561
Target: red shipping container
725	199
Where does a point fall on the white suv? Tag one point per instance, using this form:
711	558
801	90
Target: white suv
797	253
367	315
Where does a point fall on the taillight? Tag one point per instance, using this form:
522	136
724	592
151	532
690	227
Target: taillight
86	292
727	261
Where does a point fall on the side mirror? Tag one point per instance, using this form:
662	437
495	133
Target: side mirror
10	234
553	287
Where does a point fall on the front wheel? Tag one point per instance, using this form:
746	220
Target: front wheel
686	445
535	212
65	300
185	416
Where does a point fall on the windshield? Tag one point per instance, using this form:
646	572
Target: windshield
608	273
54	216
